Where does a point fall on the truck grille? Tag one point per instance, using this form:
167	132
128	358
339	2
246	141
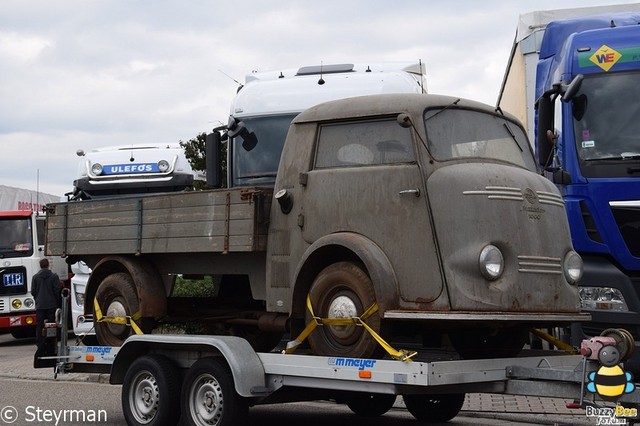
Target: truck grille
518	194
1	305
627	217
540	265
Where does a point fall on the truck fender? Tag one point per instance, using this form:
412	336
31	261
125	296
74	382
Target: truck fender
245	365
148	282
346	246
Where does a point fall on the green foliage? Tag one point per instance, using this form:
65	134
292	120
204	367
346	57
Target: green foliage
193	288
195	151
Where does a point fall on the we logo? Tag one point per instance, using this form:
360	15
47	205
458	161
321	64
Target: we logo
605	57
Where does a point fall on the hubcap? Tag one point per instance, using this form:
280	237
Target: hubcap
342	307
207	403
144	398
116	309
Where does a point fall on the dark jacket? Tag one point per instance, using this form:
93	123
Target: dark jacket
45	288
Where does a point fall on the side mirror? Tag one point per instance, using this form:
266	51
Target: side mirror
544	144
213	151
572	88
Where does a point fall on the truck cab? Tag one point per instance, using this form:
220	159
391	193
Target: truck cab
22	234
132	169
582	76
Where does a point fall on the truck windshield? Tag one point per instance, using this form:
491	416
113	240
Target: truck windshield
454	133
15	237
605	118
260	165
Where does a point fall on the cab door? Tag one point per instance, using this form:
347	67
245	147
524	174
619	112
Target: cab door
365	179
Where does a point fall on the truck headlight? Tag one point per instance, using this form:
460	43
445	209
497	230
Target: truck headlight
78	290
163	166
602	299
29	303
96	169
16	303
572	267
491	262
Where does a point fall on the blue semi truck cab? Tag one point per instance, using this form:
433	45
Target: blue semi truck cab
574	79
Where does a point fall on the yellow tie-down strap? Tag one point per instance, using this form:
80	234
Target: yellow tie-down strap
402	354
130	321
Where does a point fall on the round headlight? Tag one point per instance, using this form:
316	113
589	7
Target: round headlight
491	262
96	169
572	267
163	166
16	303
28	302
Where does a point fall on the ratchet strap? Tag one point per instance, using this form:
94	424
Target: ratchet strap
556	342
402	354
128	320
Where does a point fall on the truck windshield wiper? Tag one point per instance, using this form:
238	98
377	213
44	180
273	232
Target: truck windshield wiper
616	158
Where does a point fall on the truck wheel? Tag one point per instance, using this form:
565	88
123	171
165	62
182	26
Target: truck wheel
151	392
434	408
210	398
117	297
343	290
370	404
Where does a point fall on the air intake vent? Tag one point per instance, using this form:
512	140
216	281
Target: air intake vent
589	224
627	217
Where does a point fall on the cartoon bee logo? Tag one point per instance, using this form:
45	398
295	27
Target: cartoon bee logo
610	381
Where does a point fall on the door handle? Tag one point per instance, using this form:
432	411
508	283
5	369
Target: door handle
415	192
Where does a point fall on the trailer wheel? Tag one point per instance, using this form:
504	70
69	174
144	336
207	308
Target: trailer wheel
210	398
117	297
434	408
370	404
343	290
151	392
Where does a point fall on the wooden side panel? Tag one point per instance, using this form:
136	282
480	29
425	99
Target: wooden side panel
199	221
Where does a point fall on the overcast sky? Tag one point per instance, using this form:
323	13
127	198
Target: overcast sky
93	73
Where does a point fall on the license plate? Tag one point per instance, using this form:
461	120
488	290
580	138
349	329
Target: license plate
13	279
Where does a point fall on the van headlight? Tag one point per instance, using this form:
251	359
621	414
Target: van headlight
491	262
572	267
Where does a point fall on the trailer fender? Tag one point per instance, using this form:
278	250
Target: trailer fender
347	246
245	365
149	285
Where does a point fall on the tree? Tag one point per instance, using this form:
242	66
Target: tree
194	150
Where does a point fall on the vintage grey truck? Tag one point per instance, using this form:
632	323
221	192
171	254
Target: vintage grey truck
423	211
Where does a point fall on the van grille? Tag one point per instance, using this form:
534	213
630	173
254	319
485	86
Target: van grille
540	265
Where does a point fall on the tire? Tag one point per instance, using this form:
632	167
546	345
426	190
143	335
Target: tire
151	392
434	408
482	344
370	404
343	290
209	397
117	297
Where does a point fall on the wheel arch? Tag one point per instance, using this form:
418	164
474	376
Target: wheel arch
147	280
244	364
345	246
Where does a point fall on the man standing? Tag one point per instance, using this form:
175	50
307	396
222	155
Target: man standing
45	288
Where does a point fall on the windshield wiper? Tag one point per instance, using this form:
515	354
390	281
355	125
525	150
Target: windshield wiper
616	158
